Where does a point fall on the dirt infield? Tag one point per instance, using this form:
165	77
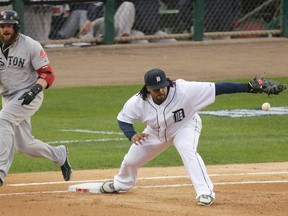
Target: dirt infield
250	189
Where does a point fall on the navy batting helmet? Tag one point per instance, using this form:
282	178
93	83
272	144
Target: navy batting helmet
10	17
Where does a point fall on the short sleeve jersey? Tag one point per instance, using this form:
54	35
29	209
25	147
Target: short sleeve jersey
18	70
184	100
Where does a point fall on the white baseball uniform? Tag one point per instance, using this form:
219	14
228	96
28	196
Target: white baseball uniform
176	122
17	76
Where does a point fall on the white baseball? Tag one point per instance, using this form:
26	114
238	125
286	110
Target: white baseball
266	106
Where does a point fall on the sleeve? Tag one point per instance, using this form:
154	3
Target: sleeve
130	112
200	94
230	88
127	129
39	57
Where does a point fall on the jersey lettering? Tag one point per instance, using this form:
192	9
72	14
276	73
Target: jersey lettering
179	115
15	61
1	62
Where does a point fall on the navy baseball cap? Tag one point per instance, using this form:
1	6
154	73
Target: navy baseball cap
156	79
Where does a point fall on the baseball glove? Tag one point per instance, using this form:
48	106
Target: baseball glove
260	85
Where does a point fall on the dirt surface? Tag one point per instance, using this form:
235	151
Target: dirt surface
126	64
243	189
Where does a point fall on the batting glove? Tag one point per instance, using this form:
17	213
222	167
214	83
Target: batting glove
30	95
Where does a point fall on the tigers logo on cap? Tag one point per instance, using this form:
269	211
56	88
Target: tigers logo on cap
156	79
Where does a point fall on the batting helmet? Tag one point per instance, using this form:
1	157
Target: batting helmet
10	17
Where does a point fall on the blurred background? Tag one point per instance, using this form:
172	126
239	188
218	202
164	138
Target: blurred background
148	21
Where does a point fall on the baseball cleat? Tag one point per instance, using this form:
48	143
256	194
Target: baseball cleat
66	168
108	187
1	182
205	200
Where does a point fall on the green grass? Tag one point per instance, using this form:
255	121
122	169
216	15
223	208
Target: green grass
223	140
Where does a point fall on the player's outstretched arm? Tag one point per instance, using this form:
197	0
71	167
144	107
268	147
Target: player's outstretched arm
256	85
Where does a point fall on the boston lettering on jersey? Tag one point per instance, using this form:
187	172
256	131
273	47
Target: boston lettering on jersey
14	61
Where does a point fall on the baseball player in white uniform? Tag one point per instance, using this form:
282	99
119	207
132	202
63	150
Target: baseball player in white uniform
24	74
169	109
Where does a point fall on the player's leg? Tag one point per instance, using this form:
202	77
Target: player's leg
90	33
98	26
6	148
136	33
71	25
12	112
137	156
124	19
162	33
28	145
19	118
186	142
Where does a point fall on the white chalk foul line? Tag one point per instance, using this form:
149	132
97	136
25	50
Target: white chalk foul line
155	186
219	183
32	193
88	140
91	131
145	178
85	141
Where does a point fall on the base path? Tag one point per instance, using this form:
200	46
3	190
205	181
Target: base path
243	189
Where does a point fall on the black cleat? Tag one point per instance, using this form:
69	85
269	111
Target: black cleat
1	182
66	169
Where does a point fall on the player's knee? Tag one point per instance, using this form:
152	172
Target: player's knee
133	164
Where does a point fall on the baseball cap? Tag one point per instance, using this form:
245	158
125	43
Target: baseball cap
156	79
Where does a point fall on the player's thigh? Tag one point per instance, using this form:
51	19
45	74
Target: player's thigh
23	135
15	113
138	155
187	139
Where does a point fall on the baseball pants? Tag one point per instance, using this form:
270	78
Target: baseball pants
186	142
16	132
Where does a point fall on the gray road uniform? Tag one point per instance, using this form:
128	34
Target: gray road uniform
17	75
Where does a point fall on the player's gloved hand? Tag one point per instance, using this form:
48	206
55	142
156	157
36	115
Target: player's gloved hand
256	85
260	85
30	95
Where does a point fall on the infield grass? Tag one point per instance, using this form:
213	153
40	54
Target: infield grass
94	109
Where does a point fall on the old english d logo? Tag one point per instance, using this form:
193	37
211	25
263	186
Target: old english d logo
179	115
158	79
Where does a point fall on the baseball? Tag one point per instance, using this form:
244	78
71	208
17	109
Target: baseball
266	106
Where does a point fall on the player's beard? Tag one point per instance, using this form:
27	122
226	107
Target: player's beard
8	38
160	99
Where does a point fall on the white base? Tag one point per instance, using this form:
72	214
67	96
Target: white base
86	188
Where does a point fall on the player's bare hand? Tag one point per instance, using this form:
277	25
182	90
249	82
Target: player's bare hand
86	27
139	138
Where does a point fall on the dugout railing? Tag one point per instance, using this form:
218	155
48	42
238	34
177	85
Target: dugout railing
266	18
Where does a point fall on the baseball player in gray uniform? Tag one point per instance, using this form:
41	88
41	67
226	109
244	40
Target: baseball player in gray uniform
24	74
169	109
